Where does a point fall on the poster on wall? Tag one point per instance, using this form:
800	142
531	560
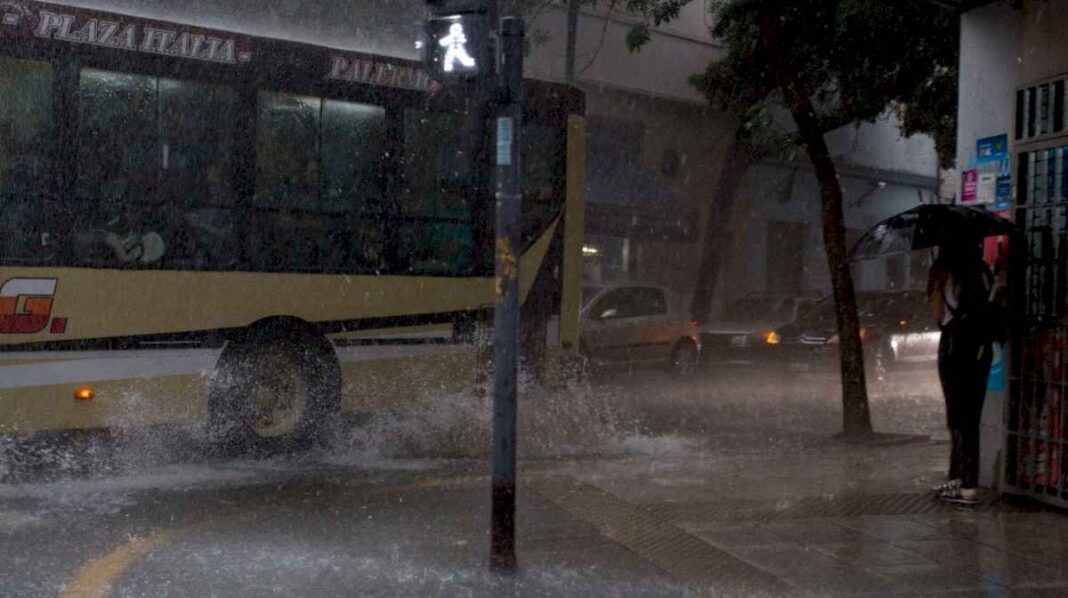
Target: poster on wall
969	189
1003	192
988	181
986	187
992	149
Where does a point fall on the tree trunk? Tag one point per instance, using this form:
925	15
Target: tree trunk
718	228
856	417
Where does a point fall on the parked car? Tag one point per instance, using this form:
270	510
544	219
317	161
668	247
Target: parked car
895	328
634	325
738	333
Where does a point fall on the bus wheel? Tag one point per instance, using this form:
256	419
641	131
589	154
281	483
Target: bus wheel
277	389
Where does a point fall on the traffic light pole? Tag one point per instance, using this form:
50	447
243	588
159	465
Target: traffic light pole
506	315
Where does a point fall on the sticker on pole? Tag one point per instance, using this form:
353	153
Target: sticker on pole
505	135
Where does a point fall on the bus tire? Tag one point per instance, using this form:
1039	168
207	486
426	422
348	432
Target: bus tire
275	389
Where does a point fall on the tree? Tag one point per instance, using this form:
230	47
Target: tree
828	63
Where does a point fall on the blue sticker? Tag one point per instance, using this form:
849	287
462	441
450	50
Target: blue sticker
992	149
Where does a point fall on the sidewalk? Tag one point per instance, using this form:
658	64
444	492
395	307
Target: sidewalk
833	520
841	520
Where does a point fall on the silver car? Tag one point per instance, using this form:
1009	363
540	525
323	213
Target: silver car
632	325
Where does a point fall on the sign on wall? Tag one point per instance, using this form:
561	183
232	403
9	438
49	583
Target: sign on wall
969	190
988	180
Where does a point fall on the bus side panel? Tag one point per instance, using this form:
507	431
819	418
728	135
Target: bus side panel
129	389
115	304
146	386
574	227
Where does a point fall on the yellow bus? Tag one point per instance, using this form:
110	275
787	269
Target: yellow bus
205	227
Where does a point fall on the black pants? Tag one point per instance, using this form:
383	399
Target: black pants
963	367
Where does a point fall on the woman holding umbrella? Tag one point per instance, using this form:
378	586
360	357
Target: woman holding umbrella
960	289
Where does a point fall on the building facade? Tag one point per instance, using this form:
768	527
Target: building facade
1012	150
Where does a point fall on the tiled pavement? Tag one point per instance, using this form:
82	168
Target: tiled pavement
847	540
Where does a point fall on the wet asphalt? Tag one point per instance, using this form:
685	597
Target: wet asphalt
640	485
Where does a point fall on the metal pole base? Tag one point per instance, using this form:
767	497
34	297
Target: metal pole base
502	543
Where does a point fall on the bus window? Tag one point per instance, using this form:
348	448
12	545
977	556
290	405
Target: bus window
542	161
200	128
118	140
27	218
320	183
354	155
200	125
437	165
437	247
435	231
119	221
287	151
156	181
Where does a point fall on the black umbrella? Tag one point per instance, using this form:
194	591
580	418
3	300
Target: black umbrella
928	226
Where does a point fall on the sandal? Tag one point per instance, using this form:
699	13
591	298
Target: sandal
956	496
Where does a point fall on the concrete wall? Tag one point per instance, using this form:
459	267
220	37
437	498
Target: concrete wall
989	67
880	145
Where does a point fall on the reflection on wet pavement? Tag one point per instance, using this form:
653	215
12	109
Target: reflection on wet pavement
650	487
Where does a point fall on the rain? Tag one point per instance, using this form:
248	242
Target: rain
533	298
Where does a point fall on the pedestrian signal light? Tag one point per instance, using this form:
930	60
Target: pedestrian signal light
455	41
456	47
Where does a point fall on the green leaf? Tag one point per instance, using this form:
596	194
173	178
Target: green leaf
637	36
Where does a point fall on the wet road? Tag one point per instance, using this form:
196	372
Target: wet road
642	485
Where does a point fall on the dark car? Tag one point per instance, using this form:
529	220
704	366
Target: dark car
895	328
737	334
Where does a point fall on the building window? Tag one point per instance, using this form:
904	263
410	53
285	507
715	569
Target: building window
1041	110
1043	176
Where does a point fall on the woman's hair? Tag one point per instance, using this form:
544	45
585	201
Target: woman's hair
957	255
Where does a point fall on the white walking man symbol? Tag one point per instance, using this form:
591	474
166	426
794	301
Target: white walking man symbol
455	48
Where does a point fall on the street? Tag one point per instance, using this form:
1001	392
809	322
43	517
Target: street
641	485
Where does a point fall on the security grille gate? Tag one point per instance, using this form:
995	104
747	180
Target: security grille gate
1037	434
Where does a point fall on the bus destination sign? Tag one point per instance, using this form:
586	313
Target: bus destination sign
78	26
376	72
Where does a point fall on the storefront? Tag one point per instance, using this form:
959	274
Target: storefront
1013	153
